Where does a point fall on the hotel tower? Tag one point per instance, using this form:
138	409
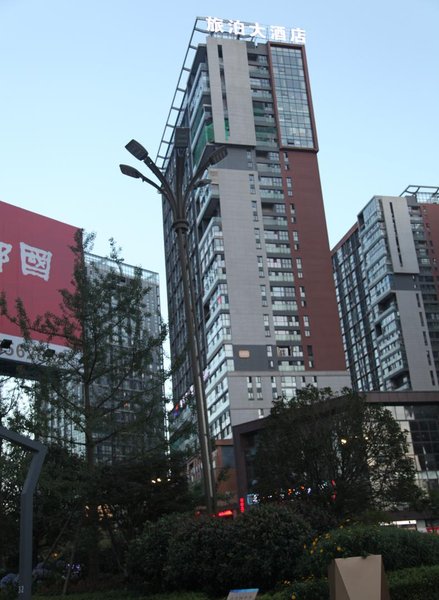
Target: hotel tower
258	245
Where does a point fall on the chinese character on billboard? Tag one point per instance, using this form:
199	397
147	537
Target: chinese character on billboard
36	262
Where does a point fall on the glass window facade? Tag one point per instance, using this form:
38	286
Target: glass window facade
421	422
291	97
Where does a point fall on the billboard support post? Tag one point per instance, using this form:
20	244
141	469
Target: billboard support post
26	507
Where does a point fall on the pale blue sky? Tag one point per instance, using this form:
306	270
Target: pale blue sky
80	78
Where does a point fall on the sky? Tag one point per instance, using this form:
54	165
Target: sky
80	78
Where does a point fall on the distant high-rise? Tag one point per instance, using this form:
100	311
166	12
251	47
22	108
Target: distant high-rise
132	393
143	388
258	241
387	283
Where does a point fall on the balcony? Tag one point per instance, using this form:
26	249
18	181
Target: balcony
216	276
275	221
215	310
262	94
274	276
287	367
277	249
215	343
268	168
291	337
272	195
284	306
209	203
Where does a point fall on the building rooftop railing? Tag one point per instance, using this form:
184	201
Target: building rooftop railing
423	193
124	269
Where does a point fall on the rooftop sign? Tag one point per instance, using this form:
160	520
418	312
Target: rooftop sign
255	31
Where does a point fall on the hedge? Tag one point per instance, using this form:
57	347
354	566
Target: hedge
268	546
418	583
257	549
400	548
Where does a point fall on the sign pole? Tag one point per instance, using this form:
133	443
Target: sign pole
26	507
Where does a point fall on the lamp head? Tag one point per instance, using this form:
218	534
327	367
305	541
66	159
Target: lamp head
137	150
131	171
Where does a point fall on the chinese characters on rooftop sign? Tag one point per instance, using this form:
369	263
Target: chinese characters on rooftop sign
255	31
36	262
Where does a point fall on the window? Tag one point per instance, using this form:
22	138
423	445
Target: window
293	213
264	295
250	395
255	211
292	98
261	266
258	238
267	325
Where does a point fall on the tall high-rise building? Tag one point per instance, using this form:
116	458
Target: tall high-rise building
258	242
387	283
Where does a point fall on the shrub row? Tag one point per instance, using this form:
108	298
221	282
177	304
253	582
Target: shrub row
262	548
257	549
400	548
417	583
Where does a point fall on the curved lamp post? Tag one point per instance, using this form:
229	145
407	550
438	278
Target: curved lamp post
26	507
177	199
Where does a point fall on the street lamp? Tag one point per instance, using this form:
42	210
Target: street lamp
177	199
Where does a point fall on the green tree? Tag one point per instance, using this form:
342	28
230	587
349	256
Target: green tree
139	492
340	453
103	395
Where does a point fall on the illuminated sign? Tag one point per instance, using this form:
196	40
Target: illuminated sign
256	31
225	513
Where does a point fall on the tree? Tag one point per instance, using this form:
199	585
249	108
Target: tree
340	453
140	492
103	395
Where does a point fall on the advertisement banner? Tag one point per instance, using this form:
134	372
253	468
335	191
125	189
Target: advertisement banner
36	262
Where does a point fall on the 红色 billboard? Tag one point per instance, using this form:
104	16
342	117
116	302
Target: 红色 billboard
36	262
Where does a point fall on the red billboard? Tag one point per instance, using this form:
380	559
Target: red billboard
36	262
